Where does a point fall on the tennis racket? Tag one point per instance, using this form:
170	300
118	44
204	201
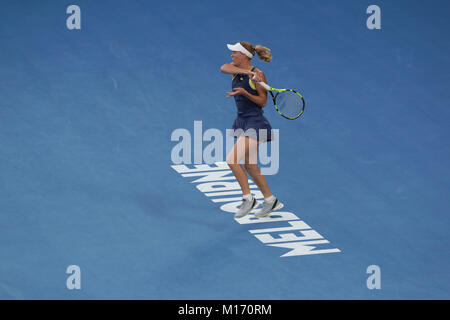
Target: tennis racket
288	103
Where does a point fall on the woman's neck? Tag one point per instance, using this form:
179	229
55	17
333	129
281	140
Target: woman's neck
246	66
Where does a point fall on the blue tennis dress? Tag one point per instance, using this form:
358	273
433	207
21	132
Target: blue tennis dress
249	114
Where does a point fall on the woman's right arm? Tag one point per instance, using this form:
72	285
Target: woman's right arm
232	69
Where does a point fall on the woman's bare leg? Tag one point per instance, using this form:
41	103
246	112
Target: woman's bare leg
247	148
251	165
236	154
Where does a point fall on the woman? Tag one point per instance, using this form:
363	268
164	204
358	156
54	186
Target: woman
250	127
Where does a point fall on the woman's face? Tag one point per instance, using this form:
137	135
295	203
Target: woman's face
238	58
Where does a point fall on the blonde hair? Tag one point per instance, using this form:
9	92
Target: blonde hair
262	52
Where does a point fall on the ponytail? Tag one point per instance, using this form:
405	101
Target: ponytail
262	52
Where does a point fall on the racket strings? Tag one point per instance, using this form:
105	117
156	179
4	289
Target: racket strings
289	104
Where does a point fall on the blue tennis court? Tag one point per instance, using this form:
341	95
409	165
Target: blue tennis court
87	179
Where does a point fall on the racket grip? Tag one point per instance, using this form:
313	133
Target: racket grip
264	85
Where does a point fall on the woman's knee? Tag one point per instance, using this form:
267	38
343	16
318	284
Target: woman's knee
231	159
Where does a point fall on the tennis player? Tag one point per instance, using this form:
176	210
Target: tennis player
250	126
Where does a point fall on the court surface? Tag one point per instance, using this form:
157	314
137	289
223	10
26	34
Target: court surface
86	175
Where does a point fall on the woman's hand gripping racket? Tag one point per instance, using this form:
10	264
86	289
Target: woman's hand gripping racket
288	103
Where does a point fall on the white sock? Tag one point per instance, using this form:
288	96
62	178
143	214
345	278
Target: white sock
270	199
247	196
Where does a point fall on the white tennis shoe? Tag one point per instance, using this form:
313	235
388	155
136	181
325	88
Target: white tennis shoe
268	207
246	206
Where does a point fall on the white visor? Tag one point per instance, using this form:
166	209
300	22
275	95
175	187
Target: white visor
240	48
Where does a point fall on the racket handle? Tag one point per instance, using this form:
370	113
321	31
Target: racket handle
265	86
